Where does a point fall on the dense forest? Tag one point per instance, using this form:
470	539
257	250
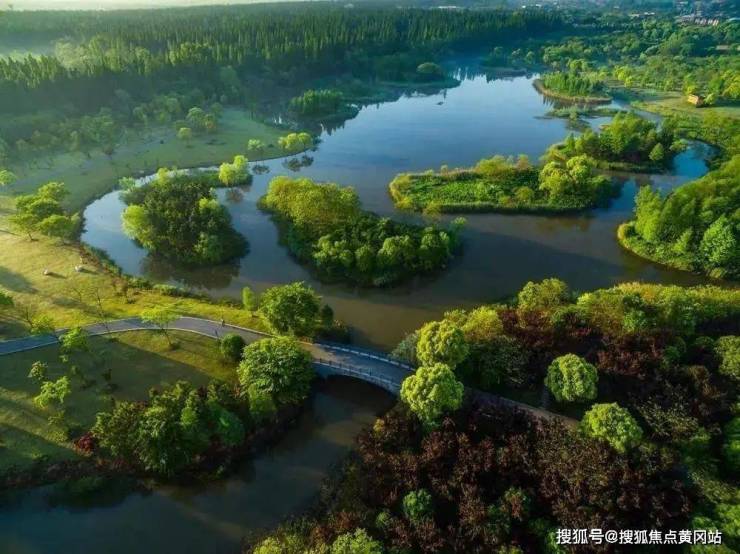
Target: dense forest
229	55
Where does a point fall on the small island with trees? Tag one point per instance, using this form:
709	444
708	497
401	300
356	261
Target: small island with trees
177	216
324	226
498	184
573	86
695	228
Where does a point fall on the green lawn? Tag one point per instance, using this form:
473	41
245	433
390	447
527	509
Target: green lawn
139	360
146	151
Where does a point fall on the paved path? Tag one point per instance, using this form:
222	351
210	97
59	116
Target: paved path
329	358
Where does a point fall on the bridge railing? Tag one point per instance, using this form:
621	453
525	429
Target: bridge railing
365	352
344	369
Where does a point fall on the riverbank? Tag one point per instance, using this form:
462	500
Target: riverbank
143	152
537	83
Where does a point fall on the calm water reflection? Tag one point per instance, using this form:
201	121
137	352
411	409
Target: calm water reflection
211	518
455	127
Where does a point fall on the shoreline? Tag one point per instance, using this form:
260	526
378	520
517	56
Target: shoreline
537	84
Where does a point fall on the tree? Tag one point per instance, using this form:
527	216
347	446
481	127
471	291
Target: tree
544	297
7	177
441	342
185	134
431	391
295	142
719	246
728	350
278	366
233	174
161	317
255	145
417	505
613	424
572	379
482	325
357	542
231	346
59	226
53	392
657	154
116	430
249	299
74	340
292	308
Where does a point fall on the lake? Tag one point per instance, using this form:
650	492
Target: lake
480	118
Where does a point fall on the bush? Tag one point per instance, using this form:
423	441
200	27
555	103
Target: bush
418	505
231	346
728	350
572	379
279	367
613	424
431	391
441	342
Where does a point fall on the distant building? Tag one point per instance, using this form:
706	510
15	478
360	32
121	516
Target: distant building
695	99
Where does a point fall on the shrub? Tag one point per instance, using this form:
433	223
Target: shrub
231	346
613	424
572	379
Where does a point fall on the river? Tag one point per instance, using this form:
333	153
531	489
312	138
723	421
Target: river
458	126
214	517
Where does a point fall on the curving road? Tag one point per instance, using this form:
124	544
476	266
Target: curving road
329	358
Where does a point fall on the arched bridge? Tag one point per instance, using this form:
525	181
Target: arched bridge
329	358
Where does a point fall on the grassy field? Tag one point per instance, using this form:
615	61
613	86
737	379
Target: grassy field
137	360
70	298
145	152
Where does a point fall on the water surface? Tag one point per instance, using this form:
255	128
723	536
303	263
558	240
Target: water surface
457	127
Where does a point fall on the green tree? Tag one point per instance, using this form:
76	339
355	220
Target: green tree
234	174
719	247
431	391
231	346
278	366
418	505
58	226
116	430
357	542
613	424
74	340
7	177
53	392
543	297
441	342
185	134
292	308
249	299
161	317
728	350
255	145
657	154
572	379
